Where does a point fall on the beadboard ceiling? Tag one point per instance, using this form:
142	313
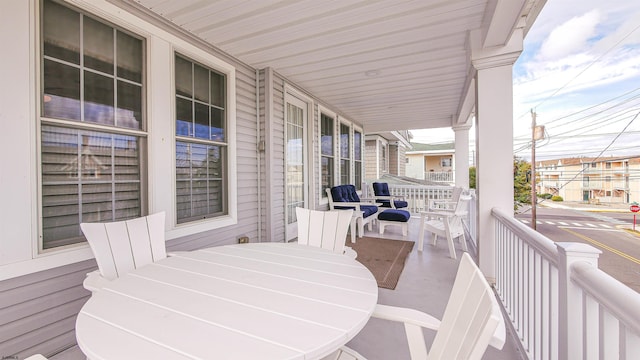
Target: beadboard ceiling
388	64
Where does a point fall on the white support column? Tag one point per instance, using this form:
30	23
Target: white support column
570	344
494	139
461	158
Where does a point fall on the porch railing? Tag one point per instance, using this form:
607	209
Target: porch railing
561	305
418	196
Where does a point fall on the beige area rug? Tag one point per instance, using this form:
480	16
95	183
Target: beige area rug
384	258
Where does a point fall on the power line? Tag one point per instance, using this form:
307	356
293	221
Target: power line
583	70
599	155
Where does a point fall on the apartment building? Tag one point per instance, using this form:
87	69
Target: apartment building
595	180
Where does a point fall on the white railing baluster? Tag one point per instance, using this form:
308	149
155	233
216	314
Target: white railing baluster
559	303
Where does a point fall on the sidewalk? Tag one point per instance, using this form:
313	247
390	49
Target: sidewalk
576	205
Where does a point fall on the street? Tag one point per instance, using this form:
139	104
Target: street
620	248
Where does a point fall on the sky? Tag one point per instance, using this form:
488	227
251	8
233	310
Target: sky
580	73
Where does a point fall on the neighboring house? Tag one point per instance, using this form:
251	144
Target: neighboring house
596	180
226	116
432	162
385	153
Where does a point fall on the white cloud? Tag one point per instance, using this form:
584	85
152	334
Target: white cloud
579	54
570	37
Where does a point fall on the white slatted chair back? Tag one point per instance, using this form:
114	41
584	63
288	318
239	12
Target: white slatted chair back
324	229
471	318
472	321
122	246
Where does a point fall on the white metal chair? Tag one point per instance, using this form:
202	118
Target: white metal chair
447	224
472	321
325	229
122	246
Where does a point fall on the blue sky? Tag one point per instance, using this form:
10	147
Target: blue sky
580	72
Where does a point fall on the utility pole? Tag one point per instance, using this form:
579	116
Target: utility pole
537	133
533	170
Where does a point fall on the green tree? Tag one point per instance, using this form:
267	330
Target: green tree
472	177
521	185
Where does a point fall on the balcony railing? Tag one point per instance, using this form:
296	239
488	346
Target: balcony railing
439	176
560	304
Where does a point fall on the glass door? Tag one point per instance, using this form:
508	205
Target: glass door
295	170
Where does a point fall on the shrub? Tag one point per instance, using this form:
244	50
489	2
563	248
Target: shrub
545	196
557	198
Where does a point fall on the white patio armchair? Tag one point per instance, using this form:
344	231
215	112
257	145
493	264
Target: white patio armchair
446	204
471	322
122	246
447	224
325	229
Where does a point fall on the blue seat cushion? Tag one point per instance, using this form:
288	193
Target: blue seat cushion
397	203
367	210
394	215
381	189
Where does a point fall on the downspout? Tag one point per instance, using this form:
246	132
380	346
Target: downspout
258	157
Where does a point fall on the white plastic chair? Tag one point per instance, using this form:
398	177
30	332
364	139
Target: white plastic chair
446	204
472	321
447	224
122	246
325	229
36	357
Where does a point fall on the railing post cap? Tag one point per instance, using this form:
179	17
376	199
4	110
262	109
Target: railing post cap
573	248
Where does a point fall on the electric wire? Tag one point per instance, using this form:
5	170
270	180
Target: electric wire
583	70
593	160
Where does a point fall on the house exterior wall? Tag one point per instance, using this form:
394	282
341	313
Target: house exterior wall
402	160
371	160
394	163
38	309
415	166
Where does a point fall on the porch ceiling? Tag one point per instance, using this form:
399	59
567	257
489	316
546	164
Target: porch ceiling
388	64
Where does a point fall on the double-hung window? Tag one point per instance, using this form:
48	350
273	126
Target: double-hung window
327	152
92	126
357	159
345	154
201	141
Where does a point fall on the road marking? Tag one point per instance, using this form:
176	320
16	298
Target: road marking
605	226
591	225
606	247
577	224
588	228
563	223
549	222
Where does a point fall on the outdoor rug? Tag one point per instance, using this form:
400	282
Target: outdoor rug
384	258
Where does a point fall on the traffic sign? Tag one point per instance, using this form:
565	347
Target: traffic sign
634	208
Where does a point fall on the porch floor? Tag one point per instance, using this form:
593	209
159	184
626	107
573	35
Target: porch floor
425	284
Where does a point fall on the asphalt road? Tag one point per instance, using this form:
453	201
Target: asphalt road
620	248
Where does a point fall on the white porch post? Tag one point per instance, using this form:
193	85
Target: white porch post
461	170
570	344
494	139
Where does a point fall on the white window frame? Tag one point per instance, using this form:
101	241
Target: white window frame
359	129
22	257
323	199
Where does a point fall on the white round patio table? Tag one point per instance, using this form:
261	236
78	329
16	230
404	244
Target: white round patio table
247	301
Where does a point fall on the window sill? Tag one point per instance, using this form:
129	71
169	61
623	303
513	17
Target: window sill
200	226
45	262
